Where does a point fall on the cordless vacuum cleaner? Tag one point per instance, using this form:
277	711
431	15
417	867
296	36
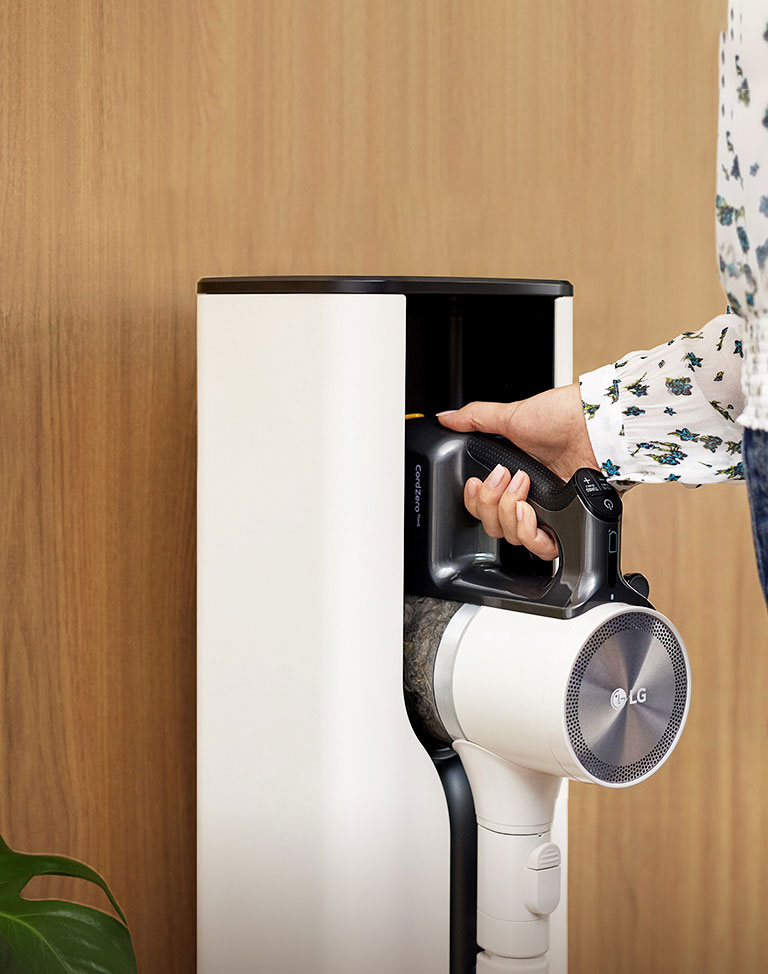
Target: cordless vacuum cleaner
531	674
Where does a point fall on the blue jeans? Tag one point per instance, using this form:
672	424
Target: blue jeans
756	472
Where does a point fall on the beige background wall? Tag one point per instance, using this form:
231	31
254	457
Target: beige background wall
143	145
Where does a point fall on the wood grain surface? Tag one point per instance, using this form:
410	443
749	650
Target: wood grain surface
144	145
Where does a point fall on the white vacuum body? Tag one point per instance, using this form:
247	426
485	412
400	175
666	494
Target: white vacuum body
602	697
528	700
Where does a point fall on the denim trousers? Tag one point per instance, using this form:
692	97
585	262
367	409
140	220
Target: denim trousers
756	473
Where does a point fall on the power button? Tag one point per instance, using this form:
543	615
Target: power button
597	494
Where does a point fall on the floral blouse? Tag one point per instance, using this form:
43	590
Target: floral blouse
671	413
676	412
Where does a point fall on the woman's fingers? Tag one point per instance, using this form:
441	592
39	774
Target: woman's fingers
482	499
500	503
517	490
531	535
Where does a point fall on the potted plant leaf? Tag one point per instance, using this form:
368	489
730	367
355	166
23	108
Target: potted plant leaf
55	936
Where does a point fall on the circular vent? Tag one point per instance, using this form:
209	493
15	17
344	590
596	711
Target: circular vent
626	698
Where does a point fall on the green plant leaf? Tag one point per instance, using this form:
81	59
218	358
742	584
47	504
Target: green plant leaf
53	936
7	964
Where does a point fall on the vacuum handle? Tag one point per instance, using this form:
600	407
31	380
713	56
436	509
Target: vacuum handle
548	491
584	513
448	557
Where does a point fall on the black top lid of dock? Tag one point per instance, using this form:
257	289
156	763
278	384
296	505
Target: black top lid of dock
384	285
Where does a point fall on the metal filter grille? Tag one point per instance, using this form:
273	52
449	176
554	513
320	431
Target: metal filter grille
639	622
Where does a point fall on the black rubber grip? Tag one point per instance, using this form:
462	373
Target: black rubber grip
547	489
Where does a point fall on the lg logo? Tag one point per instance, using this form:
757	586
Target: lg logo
619	697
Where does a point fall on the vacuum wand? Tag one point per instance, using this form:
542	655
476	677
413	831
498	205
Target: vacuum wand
518	866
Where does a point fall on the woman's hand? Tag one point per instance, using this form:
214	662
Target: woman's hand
552	428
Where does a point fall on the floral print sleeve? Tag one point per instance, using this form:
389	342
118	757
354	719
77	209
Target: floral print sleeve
671	413
742	191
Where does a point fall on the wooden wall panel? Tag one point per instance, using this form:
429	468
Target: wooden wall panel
145	145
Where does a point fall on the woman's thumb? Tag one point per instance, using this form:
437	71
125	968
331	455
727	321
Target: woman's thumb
485	417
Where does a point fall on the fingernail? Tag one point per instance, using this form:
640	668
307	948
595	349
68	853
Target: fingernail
472	488
516	482
519	510
495	476
446	412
